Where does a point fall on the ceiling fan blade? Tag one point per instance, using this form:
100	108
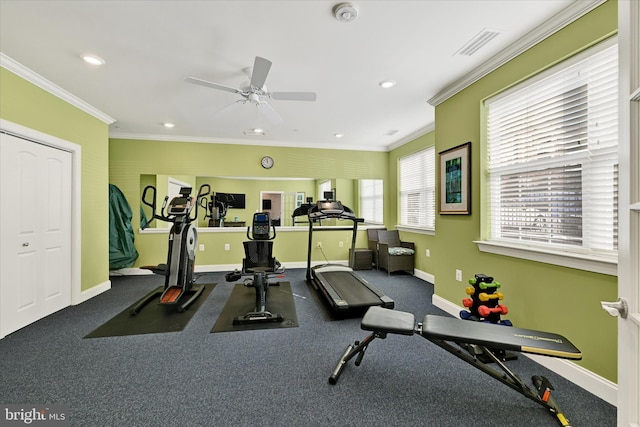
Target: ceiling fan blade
261	68
269	113
206	83
293	96
231	107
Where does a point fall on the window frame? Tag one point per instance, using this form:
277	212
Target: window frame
604	262
377	199
430	185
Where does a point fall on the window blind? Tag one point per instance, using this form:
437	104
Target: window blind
371	200
552	157
417	189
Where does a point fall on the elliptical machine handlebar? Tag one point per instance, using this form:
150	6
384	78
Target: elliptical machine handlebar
186	206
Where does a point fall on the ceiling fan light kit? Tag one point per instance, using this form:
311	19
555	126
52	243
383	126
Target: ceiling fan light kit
345	12
256	92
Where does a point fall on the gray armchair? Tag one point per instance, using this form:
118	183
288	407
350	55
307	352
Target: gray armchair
394	255
373	243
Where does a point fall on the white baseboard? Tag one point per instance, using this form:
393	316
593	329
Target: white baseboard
427	277
591	382
92	292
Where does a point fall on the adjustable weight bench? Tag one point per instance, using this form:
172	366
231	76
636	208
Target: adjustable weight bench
458	336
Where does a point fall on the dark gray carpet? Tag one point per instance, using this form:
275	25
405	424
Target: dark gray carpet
243	300
272	377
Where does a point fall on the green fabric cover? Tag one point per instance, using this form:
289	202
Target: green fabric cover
122	252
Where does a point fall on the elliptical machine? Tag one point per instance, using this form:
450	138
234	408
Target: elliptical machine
260	264
183	241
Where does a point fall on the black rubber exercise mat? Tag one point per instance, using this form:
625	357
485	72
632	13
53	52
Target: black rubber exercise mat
243	300
152	319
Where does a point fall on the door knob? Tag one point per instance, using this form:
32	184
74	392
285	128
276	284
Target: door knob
25	244
615	309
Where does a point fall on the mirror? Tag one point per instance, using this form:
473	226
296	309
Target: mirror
234	199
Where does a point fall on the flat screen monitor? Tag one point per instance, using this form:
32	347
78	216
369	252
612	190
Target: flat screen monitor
232	200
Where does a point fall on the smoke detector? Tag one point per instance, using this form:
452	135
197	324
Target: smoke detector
345	12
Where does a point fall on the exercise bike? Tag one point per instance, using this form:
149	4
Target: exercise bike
258	266
179	284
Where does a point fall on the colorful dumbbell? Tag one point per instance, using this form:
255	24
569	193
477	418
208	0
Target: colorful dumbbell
485	311
484	297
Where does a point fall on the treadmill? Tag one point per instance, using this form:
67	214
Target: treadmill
347	294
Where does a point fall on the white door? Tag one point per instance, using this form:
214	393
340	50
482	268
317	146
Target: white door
35	223
629	214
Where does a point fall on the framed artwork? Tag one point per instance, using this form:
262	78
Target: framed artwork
455	180
299	199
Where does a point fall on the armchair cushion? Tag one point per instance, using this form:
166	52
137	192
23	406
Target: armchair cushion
401	251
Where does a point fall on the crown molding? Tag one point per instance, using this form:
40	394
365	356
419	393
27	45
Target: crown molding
21	71
234	141
568	15
412	136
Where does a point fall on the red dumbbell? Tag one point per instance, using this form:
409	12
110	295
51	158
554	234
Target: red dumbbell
485	311
467	302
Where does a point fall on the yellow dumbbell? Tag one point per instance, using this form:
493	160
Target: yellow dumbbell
486	297
470	290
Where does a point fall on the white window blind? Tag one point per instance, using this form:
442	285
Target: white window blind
371	204
417	189
552	157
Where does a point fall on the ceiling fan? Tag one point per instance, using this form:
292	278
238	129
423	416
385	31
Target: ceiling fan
256	92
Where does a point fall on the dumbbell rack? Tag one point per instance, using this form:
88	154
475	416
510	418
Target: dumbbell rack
484	305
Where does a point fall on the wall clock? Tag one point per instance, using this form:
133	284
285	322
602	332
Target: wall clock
267	162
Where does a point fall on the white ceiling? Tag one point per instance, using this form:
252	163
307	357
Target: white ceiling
151	46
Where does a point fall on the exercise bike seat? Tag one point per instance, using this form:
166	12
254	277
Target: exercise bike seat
384	320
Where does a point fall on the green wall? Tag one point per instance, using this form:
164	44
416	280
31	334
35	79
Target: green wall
24	103
131	159
539	296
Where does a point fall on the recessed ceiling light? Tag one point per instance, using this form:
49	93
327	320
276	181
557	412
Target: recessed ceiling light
386	84
258	130
168	125
93	60
338	135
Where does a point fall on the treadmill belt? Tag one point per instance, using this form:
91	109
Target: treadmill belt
350	288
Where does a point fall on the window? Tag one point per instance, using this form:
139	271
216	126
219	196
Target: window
417	189
552	157
371	192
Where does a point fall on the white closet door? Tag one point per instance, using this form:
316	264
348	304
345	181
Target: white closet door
35	217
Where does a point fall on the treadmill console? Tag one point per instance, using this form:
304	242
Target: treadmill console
330	207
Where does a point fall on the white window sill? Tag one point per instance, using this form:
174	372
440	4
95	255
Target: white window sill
604	264
416	230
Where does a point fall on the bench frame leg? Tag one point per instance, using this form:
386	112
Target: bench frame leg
356	349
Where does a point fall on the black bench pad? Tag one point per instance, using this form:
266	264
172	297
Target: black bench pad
384	320
499	337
